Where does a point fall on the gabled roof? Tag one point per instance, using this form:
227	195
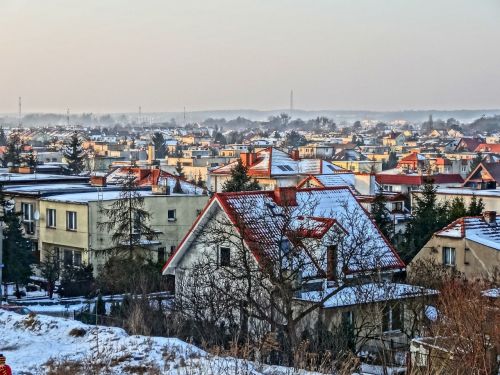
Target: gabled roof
488	147
485	172
260	213
474	229
328	180
272	161
468	144
414	156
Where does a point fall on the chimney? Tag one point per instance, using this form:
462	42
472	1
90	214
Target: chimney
151	153
248	158
285	196
490	217
98	181
295	155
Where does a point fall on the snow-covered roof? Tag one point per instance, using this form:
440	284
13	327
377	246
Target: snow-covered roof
275	162
262	214
474	229
331	180
366	293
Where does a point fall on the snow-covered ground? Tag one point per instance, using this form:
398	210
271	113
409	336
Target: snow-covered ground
34	343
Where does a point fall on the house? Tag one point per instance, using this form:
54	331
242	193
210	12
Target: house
413	162
317	150
485	176
394	139
488	148
470	245
272	167
468	144
68	222
344	263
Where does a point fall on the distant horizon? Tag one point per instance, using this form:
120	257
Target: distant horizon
115	55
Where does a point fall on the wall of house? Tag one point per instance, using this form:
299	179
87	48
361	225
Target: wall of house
60	236
491	202
187	208
478	261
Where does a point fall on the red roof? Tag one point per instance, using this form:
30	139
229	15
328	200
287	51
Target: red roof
258	214
406	179
488	147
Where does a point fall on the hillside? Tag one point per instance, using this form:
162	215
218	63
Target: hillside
46	345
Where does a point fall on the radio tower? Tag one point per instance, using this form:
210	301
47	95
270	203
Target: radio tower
291	103
20	122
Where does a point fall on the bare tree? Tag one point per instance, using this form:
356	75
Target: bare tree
270	268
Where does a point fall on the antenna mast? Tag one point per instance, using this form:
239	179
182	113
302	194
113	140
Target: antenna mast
67	117
291	103
20	104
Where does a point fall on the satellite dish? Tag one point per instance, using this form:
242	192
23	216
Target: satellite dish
36	215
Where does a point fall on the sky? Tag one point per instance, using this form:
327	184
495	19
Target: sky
116	55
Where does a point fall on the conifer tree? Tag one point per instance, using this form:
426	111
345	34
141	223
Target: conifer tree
17	249
31	160
127	220
240	181
74	155
3	138
382	216
476	206
456	209
180	175
199	181
159	143
12	155
427	217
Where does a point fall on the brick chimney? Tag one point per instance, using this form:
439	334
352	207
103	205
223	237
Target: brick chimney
295	155
490	217
98	181
248	158
286	196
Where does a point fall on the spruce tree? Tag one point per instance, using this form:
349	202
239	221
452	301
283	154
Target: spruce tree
17	251
240	181
427	217
456	209
180	175
3	138
12	155
159	143
31	160
126	220
199	181
476	206
381	215
74	155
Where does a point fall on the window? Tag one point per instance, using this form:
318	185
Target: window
71	220
171	215
347	318
77	258
331	262
68	257
224	256
161	254
28	217
449	256
72	258
398	206
392	319
51	218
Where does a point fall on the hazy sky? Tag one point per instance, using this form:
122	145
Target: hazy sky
114	55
